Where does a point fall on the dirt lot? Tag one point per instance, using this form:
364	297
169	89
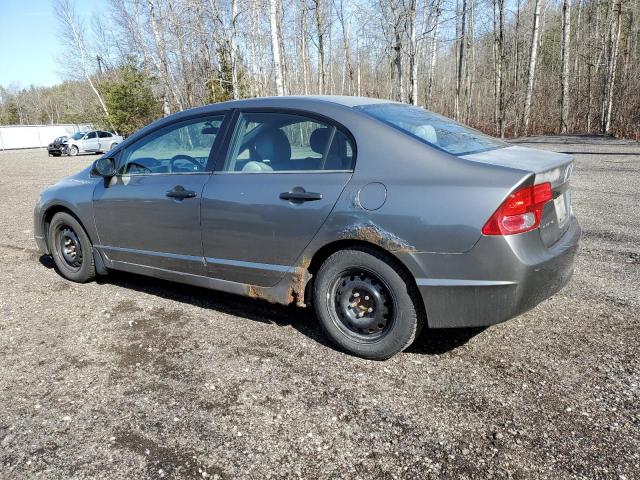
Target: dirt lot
135	378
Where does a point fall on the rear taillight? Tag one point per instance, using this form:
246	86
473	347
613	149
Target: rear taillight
520	212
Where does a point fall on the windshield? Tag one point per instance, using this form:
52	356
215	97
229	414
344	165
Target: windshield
78	135
433	129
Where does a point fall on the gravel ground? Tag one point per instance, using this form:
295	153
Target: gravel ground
129	377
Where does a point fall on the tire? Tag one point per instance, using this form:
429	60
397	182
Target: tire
71	248
113	145
73	151
367	304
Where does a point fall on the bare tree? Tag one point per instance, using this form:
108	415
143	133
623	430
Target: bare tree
614	35
461	41
434	52
234	49
72	32
275	46
462	58
162	63
533	58
564	77
320	28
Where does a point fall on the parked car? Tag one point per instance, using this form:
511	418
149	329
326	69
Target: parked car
57	147
95	141
384	216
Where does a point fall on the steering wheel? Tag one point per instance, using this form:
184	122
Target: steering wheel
197	166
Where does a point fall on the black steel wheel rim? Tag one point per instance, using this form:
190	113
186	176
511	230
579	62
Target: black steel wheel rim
362	305
69	247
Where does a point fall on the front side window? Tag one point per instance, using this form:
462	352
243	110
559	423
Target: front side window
104	134
286	142
91	135
178	148
433	129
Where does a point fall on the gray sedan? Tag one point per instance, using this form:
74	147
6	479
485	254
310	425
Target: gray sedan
383	216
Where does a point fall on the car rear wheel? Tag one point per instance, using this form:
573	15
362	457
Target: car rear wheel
366	303
73	151
71	248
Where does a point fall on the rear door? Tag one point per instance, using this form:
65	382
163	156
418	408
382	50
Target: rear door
105	139
281	176
149	214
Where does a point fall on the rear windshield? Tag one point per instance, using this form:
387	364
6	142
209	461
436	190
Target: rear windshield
433	129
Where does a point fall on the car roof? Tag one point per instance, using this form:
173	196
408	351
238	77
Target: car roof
311	102
346	100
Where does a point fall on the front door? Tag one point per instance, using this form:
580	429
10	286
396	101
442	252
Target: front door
149	214
280	180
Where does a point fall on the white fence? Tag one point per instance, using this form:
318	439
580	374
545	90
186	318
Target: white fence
33	136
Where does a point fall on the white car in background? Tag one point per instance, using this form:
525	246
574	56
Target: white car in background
94	141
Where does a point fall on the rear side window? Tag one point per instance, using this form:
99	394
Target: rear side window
433	129
285	142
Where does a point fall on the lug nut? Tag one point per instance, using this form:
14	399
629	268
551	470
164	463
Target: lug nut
370	310
356	294
366	297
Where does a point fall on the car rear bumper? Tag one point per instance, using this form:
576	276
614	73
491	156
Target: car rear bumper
500	278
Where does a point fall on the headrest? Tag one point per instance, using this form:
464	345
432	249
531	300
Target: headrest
319	138
273	145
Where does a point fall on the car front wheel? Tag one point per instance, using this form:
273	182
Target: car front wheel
366	303
73	150
71	248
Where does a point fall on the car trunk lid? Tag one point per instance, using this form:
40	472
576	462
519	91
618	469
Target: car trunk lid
552	167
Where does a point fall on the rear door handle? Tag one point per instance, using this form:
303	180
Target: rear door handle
180	193
300	195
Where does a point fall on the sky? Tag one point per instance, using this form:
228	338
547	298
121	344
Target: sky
29	48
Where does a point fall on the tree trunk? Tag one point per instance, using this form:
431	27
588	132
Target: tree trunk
397	48
275	46
564	77
501	62
234	50
461	41
470	71
533	58
516	70
163	64
413	54
303	47
320	28
613	63
434	55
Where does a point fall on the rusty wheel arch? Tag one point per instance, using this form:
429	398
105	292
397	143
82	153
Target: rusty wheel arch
329	249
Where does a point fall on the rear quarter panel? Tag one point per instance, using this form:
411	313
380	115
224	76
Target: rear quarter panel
435	202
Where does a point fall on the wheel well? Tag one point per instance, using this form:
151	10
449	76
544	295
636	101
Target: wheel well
327	250
48	215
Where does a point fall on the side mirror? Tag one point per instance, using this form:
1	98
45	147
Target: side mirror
105	167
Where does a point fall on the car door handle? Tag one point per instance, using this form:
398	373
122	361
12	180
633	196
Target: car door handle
180	193
300	195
